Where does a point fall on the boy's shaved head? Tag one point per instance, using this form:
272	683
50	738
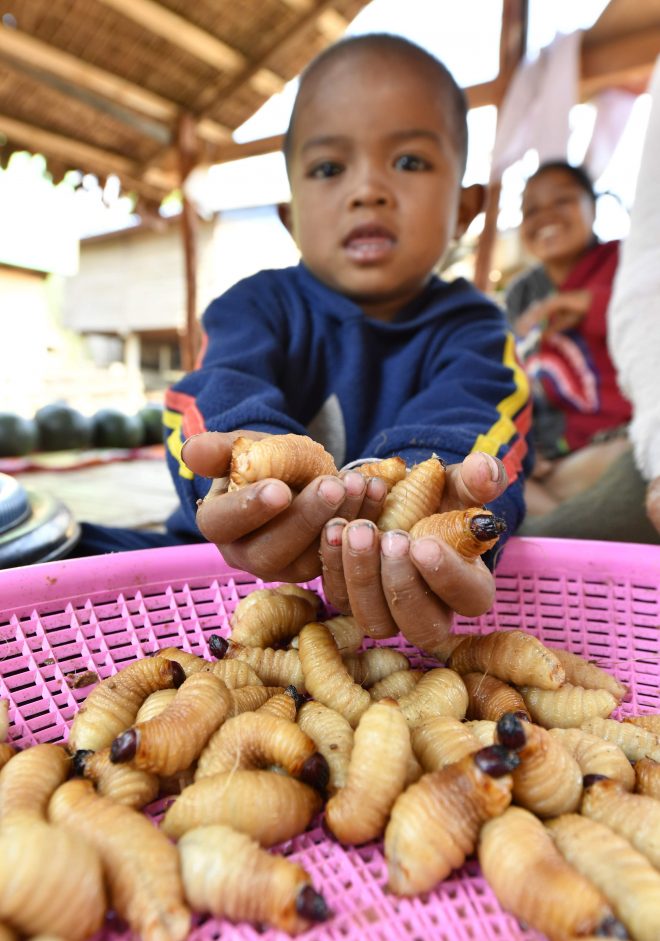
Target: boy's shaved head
398	49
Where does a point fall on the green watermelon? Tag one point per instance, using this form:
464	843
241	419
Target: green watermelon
115	429
152	420
62	428
18	435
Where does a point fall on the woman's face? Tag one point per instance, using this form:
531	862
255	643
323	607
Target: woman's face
558	217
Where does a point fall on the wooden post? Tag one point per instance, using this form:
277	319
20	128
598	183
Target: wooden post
512	48
187	152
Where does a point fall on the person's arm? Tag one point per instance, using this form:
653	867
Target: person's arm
239	389
235	385
474	412
634	314
474	398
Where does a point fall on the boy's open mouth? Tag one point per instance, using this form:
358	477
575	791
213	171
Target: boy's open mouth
369	243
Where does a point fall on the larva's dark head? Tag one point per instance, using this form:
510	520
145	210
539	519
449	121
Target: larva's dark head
178	674
295	695
484	526
496	761
79	761
590	779
311	905
218	646
315	772
511	731
610	927
124	746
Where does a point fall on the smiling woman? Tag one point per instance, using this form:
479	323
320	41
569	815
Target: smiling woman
558	312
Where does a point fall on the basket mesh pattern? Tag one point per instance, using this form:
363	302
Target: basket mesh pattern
62	619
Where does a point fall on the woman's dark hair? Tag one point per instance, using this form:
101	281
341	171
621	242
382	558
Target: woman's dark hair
578	173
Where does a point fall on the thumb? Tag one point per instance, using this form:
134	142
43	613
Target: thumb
209	454
481	478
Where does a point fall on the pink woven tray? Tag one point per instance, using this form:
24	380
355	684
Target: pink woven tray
601	600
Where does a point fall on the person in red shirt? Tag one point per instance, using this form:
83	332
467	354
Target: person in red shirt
558	313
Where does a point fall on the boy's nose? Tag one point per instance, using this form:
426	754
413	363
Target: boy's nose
370	190
369	199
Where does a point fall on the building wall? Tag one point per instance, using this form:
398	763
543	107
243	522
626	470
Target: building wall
135	281
132	281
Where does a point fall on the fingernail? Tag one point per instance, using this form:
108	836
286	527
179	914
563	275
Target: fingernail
426	552
395	545
334	530
361	535
376	488
494	466
185	444
332	491
354	483
275	495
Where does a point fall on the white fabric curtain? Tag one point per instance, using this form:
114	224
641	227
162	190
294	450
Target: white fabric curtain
634	313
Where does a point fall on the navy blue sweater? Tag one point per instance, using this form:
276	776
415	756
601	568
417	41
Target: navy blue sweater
285	353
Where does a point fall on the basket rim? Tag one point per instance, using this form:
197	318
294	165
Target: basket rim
47	582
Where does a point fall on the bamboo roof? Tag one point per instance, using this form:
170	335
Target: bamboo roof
145	89
103	85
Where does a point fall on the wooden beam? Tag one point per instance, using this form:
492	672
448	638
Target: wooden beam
217	91
187	147
267	83
78	154
512	48
29	51
332	25
300	6
24	48
180	32
626	62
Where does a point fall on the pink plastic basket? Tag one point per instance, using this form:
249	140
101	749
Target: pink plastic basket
601	600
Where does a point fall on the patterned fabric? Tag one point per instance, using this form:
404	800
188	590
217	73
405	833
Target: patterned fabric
574	385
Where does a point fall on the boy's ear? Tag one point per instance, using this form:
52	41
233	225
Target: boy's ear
472	202
284	215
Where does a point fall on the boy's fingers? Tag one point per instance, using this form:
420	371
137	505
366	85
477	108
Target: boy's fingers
361	563
479	479
287	533
374	499
224	517
421	616
468	588
332	566
209	454
356	487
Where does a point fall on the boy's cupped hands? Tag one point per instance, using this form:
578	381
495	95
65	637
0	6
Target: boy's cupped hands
388	581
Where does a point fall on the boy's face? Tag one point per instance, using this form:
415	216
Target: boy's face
375	178
558	217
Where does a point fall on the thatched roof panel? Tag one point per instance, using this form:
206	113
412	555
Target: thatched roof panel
106	85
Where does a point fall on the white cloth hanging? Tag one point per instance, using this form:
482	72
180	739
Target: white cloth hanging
634	313
536	107
613	109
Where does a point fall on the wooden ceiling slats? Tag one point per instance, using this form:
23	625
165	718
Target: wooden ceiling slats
179	31
17	45
116	76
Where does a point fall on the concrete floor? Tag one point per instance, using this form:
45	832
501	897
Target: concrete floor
136	493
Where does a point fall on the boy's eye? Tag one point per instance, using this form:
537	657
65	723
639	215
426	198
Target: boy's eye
328	168
411	162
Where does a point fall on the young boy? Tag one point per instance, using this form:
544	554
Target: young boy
361	347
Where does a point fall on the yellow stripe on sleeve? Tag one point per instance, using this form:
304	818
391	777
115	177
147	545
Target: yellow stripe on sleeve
504	428
174	441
